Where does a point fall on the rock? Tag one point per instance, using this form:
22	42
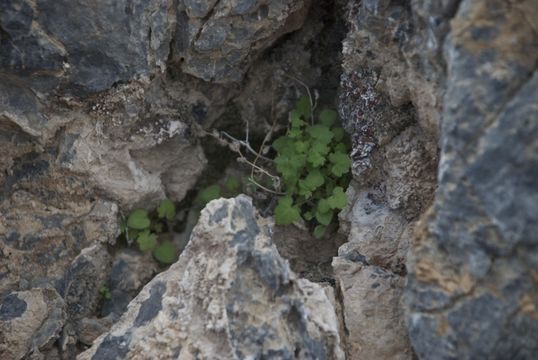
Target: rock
373	315
80	292
84	278
388	102
218	40
29	321
242	301
130	271
377	235
88	46
131	159
472	274
308	257
47	218
89	329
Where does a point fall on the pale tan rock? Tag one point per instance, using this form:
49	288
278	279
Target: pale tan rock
29	320
229	296
372	313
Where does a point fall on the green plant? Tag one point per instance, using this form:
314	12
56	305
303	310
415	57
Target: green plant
313	163
231	187
144	227
105	293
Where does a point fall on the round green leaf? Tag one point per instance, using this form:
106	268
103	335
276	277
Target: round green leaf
285	212
166	252
341	163
321	133
323	206
324	218
308	216
314	179
295	119
319	231
209	193
233	185
146	240
282	143
138	219
166	209
327	117
303	106
338	199
338	133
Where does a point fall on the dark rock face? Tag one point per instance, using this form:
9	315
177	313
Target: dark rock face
90	46
216	40
472	284
47	218
130	271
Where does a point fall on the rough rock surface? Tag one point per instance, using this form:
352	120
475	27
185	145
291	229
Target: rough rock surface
100	111
393	132
243	301
308	256
97	116
216	40
54	57
473	281
29	321
89	46
46	220
130	271
373	315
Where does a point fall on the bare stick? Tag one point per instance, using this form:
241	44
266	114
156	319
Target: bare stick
312	103
251	179
270	134
246	145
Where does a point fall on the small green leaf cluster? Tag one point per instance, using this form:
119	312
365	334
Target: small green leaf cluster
144	227
232	187
313	162
105	293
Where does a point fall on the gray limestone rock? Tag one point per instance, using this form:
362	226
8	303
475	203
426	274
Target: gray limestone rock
243	301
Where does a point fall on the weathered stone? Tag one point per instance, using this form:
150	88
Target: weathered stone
84	279
377	235
46	220
218	40
90	46
89	329
132	159
130	271
390	111
29	321
373	315
472	284
241	302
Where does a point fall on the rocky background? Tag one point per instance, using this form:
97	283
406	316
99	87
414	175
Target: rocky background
100	109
